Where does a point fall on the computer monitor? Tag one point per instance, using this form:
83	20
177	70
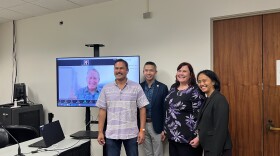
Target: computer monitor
20	92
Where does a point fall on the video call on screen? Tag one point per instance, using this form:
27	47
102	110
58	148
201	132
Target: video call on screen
73	78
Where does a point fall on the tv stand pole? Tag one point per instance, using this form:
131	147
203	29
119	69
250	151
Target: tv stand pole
95	54
96	48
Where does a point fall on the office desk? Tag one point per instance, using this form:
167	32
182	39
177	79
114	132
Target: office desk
66	147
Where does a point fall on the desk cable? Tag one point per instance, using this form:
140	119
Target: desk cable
55	149
66	148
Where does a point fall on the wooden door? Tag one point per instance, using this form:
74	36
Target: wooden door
237	57
271	92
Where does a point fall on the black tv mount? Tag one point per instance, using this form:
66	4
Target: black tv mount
88	134
95	48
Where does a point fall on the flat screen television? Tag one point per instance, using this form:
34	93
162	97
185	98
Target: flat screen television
80	79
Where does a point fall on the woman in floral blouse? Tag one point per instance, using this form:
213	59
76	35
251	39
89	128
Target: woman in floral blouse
182	107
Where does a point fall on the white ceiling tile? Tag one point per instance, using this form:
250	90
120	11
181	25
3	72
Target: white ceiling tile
87	2
56	5
9	14
20	9
10	3
31	9
30	0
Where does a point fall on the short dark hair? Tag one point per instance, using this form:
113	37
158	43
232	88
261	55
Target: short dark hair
192	80
213	76
122	60
151	63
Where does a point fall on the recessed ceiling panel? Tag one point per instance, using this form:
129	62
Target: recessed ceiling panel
88	2
12	15
57	5
10	3
31	9
20	9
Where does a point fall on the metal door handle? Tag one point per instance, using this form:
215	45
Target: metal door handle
271	127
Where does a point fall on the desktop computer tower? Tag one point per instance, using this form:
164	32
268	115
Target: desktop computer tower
32	115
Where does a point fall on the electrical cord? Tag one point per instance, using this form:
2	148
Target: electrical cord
55	149
14	70
88	123
66	148
40	150
29	101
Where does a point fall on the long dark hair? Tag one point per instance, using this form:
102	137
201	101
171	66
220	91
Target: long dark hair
213	76
191	81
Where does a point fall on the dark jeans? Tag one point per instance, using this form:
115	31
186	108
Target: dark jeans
113	147
183	149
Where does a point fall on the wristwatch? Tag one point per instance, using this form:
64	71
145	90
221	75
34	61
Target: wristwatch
142	130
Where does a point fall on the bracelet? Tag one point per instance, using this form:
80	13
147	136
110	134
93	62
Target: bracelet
142	130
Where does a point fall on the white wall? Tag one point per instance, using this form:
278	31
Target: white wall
179	30
6	62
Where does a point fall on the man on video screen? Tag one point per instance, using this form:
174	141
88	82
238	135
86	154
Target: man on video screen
91	91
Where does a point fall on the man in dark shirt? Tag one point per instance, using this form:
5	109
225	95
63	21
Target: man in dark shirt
155	92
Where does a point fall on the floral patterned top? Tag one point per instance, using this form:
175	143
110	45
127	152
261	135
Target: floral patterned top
182	108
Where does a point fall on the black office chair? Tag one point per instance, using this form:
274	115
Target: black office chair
21	133
4	138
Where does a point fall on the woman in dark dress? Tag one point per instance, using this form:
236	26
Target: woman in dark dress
212	124
182	107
